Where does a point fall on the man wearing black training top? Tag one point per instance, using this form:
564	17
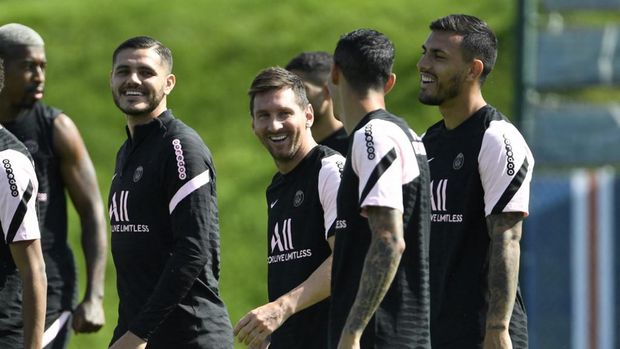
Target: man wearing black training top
380	289
302	207
163	214
63	165
23	283
313	68
481	168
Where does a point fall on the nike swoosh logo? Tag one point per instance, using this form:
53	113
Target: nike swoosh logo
273	204
431	159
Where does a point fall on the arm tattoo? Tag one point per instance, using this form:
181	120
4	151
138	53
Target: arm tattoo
504	251
380	265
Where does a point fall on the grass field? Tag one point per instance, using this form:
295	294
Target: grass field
218	47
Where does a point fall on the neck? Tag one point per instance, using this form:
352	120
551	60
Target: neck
461	108
324	126
304	148
142	119
356	107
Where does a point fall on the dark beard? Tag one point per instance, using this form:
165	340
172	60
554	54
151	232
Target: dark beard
439	98
136	112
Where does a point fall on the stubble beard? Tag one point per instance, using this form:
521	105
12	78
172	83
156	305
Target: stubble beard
153	101
453	89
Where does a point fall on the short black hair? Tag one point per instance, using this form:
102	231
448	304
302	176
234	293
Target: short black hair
365	57
140	42
316	66
275	78
479	41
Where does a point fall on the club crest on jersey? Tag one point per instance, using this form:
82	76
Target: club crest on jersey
299	198
10	176
137	174
178	151
458	161
370	144
32	146
510	164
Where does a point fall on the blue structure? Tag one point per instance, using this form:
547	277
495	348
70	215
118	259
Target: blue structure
570	274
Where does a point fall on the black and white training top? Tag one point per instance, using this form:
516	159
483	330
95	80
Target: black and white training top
481	167
386	166
18	220
165	238
302	207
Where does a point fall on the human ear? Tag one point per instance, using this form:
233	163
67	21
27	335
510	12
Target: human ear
476	68
171	80
389	84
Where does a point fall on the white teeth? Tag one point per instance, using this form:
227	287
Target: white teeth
133	93
277	138
426	78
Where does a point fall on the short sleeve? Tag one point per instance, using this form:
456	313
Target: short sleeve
329	181
505	164
384	160
18	187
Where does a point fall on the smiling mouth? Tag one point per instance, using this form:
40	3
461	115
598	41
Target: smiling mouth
426	79
277	138
132	93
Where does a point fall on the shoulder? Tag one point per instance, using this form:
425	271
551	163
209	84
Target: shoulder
502	133
382	131
18	171
331	161
180	137
45	111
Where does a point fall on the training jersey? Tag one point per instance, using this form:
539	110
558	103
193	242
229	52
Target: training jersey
18	221
386	167
301	209
338	140
481	167
165	238
35	127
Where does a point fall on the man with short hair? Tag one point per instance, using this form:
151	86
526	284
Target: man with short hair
163	214
380	290
313	68
61	162
481	168
22	268
302	208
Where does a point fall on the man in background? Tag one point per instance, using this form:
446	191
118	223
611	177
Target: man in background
481	168
380	289
302	208
22	269
313	68
61	162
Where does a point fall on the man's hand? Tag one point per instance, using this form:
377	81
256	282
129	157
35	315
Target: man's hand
256	326
88	316
497	339
129	341
349	341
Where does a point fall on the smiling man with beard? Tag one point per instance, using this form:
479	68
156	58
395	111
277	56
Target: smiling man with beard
163	214
302	208
481	170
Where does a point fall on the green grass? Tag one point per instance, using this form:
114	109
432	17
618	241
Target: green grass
218	46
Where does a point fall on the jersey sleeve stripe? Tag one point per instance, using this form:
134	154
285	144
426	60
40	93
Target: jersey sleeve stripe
188	188
20	213
381	167
512	189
